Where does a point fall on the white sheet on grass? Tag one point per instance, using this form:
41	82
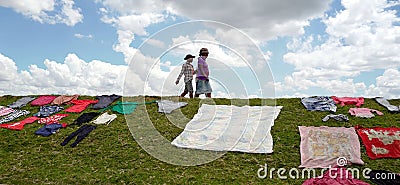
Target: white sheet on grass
230	128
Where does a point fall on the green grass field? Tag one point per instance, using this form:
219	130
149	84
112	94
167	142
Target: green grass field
110	155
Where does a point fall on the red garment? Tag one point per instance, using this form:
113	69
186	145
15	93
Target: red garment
335	176
80	105
19	125
380	142
43	100
348	101
52	119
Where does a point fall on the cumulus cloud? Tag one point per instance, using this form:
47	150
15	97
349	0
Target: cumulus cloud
47	11
80	36
362	37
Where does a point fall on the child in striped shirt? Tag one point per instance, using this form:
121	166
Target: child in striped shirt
188	71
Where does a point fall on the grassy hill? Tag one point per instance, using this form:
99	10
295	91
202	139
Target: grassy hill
110	155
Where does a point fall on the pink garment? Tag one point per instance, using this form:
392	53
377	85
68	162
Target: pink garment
52	119
321	147
335	176
43	100
80	105
364	112
5	111
348	101
63	99
19	125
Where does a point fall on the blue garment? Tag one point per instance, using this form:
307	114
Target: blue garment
319	103
48	130
48	110
203	86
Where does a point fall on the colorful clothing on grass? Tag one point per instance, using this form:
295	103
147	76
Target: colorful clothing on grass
80	105
105	118
64	99
20	124
358	101
364	112
5	111
52	119
380	142
48	110
49	129
14	115
105	100
384	102
167	106
43	100
319	103
21	102
337	117
81	134
320	147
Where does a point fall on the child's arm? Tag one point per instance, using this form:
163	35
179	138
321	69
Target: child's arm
180	75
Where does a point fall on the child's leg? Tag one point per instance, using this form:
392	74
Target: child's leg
208	95
184	93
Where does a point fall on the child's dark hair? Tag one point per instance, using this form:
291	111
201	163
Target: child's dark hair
203	51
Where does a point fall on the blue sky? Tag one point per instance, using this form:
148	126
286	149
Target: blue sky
337	47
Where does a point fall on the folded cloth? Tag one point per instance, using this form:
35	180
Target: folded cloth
14	115
21	102
47	110
49	129
167	106
319	103
337	117
63	99
384	102
43	100
105	118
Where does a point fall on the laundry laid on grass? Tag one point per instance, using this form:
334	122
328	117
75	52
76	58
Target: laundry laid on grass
357	101
52	119
21	102
64	99
384	102
49	129
380	142
81	134
85	118
20	124
230	128
167	106
5	111
105	118
320	147
384	177
47	110
105	100
364	112
126	107
337	117
335	176
80	105
319	103
14	115
43	100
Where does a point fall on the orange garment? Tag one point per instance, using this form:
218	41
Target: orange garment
63	99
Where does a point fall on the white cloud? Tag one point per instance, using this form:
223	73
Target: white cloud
361	38
80	36
47	11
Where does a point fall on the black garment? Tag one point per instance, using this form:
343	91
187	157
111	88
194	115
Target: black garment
104	101
82	132
85	118
383	177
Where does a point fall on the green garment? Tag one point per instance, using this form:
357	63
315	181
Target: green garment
126	107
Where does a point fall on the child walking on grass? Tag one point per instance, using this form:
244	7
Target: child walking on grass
188	71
